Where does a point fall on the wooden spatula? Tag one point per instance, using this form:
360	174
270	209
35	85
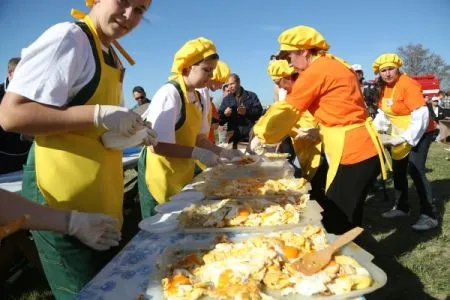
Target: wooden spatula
314	262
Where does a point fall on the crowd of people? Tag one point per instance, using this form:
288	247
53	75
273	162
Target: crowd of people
65	94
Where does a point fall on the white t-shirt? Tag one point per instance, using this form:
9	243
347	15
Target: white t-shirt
55	67
165	110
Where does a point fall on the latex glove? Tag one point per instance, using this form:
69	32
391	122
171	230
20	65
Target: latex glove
98	231
230	153
151	136
207	157
145	136
117	119
311	134
256	146
389	140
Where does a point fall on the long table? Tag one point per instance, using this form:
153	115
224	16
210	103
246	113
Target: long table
444	130
128	274
13	181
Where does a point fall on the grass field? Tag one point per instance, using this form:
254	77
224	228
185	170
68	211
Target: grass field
417	264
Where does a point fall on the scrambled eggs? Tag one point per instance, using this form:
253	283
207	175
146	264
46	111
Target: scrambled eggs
262	265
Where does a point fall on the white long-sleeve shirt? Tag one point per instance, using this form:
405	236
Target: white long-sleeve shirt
417	126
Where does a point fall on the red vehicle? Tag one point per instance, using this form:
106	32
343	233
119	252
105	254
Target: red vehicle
430	84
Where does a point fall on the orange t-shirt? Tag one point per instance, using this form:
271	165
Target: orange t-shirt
330	91
408	96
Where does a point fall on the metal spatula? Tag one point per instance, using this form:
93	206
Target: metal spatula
314	262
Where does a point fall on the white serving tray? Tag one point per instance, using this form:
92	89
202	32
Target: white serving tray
363	257
168	222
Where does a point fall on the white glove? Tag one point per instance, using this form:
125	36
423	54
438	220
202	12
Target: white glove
255	146
98	231
117	119
207	157
311	134
389	140
145	136
230	153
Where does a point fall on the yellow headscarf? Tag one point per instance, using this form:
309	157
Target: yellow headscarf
79	15
279	69
304	38
192	52
386	60
221	72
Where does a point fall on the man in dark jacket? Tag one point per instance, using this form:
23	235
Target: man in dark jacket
140	96
240	110
13	147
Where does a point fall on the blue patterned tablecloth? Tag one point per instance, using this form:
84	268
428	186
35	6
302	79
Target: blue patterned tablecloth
129	273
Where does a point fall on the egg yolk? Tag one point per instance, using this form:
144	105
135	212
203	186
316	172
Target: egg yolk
290	252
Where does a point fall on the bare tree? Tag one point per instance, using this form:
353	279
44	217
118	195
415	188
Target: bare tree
418	60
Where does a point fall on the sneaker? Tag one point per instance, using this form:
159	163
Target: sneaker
394	213
425	223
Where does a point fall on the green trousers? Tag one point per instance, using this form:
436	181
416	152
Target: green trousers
68	264
147	201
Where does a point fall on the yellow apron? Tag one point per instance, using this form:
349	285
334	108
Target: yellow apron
74	170
333	139
166	176
278	122
399	124
308	152
201	165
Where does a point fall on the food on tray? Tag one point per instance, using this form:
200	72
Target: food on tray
259	266
246	213
243	160
254	187
275	155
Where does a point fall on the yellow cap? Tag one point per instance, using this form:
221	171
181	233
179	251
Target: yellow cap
302	38
279	69
386	60
192	52
221	72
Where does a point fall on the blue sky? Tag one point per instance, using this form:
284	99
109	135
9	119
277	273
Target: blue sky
245	32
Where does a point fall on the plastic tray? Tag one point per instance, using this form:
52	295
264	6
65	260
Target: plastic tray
180	201
208	189
311	214
363	257
167	222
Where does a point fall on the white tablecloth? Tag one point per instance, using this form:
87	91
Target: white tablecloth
12	182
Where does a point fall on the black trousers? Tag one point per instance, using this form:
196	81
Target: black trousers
344	201
240	134
414	164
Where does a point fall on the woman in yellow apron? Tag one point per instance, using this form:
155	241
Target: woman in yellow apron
329	90
180	117
306	143
67	92
403	108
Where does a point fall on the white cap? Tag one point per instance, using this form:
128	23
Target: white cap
357	67
435	98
